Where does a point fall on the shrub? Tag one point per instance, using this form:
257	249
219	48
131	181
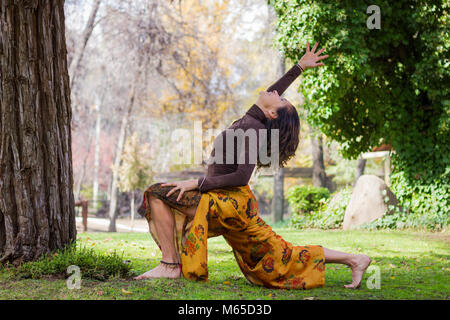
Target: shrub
329	216
304	200
92	264
409	217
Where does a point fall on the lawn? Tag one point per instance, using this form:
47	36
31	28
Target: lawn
412	265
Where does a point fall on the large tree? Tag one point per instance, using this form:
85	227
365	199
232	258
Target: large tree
36	199
385	83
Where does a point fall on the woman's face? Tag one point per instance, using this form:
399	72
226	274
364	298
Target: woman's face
271	101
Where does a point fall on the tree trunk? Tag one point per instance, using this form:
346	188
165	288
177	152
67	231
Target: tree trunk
118	156
360	166
120	144
83	167
76	61
319	175
36	198
115	175
96	155
132	210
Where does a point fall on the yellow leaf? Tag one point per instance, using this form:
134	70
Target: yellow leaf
392	277
126	292
270	295
226	282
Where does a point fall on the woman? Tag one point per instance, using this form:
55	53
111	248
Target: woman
183	215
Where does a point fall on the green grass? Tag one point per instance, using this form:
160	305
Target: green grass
413	265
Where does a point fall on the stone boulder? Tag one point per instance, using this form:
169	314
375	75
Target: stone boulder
368	202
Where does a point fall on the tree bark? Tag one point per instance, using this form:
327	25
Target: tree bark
36	198
360	166
319	176
96	154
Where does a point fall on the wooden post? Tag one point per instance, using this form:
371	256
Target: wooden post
387	169
84	212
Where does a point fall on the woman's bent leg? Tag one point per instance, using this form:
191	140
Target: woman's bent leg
357	262
164	225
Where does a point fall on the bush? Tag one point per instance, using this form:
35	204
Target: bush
329	216
409	217
92	264
304	200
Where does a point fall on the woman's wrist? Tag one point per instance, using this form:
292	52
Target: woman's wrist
301	66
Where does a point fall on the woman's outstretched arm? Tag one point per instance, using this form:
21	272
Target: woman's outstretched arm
309	60
285	81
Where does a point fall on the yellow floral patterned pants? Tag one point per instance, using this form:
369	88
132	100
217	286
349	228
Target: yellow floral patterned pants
264	257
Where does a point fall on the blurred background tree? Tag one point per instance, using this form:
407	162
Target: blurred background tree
135	172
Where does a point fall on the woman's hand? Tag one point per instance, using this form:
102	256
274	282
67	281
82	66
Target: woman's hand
185	185
310	58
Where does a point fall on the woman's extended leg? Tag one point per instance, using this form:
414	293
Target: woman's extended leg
164	225
357	262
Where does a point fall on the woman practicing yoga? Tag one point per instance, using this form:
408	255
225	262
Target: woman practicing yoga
183	215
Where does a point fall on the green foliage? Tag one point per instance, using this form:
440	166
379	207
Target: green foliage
304	200
402	218
383	85
329	216
92	264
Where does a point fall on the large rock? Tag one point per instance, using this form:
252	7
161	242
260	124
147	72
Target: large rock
368	201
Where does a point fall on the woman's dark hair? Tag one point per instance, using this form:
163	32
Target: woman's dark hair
288	124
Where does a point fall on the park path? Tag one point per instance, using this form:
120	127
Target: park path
122	225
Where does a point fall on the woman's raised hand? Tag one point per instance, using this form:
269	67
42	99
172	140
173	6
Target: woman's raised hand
310	58
185	185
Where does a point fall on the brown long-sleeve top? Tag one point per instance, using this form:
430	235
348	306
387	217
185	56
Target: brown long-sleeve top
238	174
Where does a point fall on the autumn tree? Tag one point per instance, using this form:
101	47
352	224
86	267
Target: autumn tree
36	200
135	172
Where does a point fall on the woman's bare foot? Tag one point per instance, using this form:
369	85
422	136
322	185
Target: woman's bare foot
161	271
359	264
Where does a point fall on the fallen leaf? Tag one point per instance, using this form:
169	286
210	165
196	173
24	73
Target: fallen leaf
270	295
226	282
392	277
308	298
100	292
126	292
